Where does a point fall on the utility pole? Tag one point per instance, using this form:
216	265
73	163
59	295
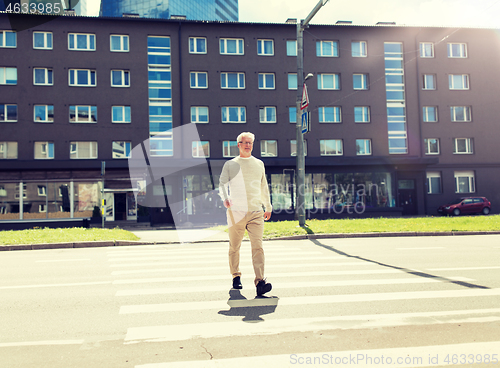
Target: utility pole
300	203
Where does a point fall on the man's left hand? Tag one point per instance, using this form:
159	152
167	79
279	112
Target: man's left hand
267	216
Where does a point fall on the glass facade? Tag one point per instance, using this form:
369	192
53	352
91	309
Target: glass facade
222	10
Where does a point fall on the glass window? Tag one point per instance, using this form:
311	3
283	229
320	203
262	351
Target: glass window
465	182
359	49
458	81
82	78
328	81
269	148
119	43
266	81
82	114
463	146
121	114
360	81
231	46
267	114
363	147
8	150
44	150
330	114
230	149
8	113
433	182
361	114
160	119
292	115
159	83
161	145
8	39
265	47
197	45
200	149
43	77
121	149
457	50
327	48
8	76
43	113
199	79
120	78
233	114
431	146
292	80
199	114
81	42
330	147
293	147
42	40
426	49
429	81
291	48
232	80
460	113
82	150
429	114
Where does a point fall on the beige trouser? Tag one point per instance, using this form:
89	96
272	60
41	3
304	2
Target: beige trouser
253	222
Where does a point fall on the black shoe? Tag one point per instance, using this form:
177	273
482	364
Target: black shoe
263	287
237	283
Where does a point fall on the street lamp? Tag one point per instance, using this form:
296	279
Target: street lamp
301	25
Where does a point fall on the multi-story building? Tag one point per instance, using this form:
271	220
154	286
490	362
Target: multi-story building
222	10
403	119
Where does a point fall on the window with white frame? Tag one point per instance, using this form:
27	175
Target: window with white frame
360	81
426	49
361	114
42	191
232	80
82	150
330	114
265	47
431	146
230	149
292	80
82	78
465	182
429	114
121	114
42	208
291	48
8	113
292	114
359	49
231	46
328	81
8	39
81	41
197	45
330	147
120	78
463	146
44	150
433	182
199	114
43	77
121	149
82	114
429	81
363	147
42	40
269	148
460	113
9	76
266	81
458	81
233	114
293	147
8	150
457	50
43	113
199	79
119	43
327	48
267	114
200	149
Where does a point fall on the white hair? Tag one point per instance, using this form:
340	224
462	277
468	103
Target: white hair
245	135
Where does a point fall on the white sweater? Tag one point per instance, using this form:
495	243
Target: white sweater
243	181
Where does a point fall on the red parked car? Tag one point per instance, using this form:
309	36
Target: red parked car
465	206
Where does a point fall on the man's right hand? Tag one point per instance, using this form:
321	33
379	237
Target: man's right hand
228	203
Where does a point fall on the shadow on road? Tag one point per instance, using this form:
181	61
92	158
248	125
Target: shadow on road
250	309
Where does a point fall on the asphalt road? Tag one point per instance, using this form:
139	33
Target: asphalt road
399	302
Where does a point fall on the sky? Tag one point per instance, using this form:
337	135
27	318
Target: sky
455	13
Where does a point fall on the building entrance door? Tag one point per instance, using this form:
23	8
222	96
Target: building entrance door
120	206
407	197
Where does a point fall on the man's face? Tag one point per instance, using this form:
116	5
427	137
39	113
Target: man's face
245	146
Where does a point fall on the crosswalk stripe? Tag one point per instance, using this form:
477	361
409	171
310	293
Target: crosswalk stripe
413	356
41	343
464	268
277	326
325	299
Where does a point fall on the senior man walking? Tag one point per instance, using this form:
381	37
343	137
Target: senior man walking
243	188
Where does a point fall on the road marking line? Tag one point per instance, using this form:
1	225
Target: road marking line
412	356
184	249
63	260
421	248
277	326
41	343
56	285
464	268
